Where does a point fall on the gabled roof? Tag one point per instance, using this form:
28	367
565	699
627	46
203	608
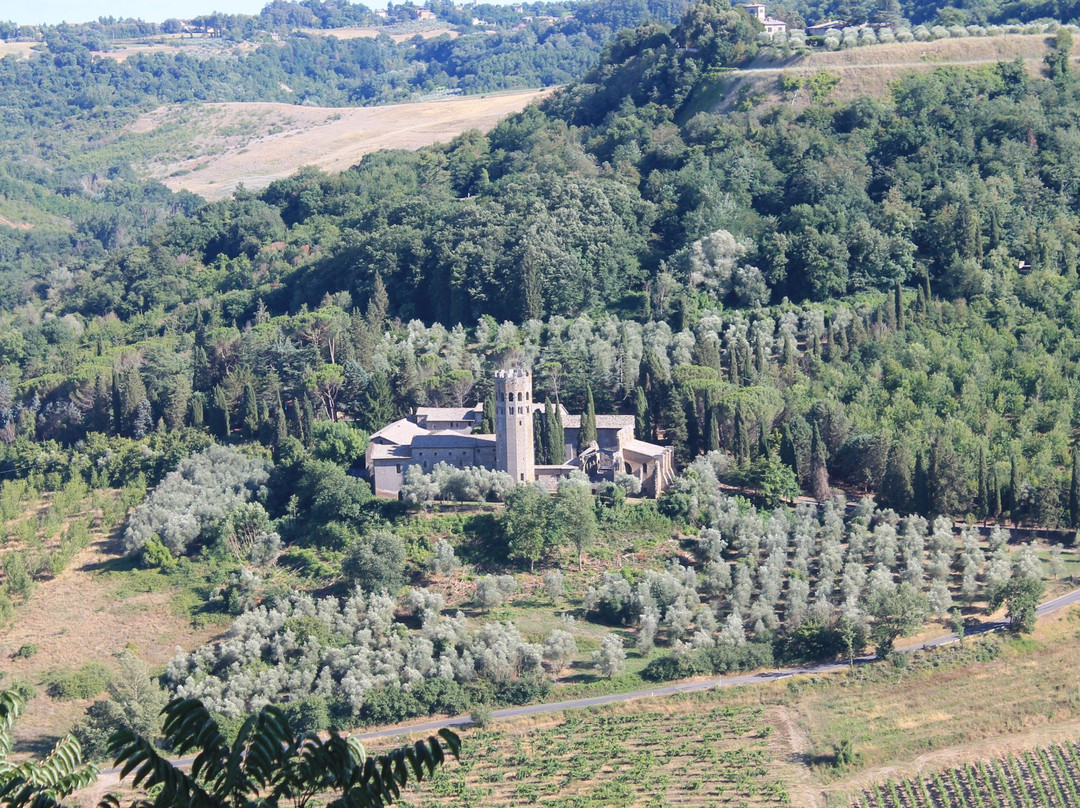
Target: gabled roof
450	439
643	448
401	432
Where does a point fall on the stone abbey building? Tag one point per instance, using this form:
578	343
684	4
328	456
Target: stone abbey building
435	435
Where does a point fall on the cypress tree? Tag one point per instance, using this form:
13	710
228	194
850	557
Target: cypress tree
196	415
763	441
1074	491
587	434
1014	489
741	438
995	494
250	409
557	437
642	426
712	428
281	428
540	435
898	300
674	420
117	405
220	425
298	422
788	455
100	413
920	486
487	416
200	370
377	404
982	503
819	470
896	485
307	419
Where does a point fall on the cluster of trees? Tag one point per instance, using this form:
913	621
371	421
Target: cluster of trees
351	660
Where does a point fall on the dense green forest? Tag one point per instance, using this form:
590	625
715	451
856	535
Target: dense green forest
871	302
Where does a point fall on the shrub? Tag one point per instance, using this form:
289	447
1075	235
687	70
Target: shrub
199	494
87	682
26	650
376	562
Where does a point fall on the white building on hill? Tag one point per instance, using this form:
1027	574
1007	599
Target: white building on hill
434	435
772	26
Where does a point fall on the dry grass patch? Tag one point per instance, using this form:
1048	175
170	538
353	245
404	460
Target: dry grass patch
256	143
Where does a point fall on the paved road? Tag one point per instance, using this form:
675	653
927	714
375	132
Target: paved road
1051	606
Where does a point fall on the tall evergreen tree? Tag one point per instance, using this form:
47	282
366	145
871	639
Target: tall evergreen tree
819	470
642	421
789	456
220	424
1013	503
674	423
982	502
741	437
896	483
281	428
377	407
587	434
712	427
117	405
487	416
540	438
557	437
249	408
1074	490
920	486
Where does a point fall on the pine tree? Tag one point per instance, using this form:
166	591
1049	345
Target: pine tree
587	434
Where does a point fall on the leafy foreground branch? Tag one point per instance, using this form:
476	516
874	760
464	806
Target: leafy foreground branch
266	765
33	783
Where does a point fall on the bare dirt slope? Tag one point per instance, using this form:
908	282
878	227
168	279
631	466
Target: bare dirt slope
257	143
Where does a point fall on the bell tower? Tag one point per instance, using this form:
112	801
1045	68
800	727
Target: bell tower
514	425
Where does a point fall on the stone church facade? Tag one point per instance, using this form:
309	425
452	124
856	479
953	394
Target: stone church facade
435	435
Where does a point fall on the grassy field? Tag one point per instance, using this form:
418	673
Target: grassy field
873	70
211	149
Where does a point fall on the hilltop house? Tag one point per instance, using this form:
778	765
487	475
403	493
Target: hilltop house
434	435
772	26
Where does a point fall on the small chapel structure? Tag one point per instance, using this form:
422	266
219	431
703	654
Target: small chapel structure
435	435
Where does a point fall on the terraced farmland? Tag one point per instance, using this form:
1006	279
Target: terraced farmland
1042	778
683	752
